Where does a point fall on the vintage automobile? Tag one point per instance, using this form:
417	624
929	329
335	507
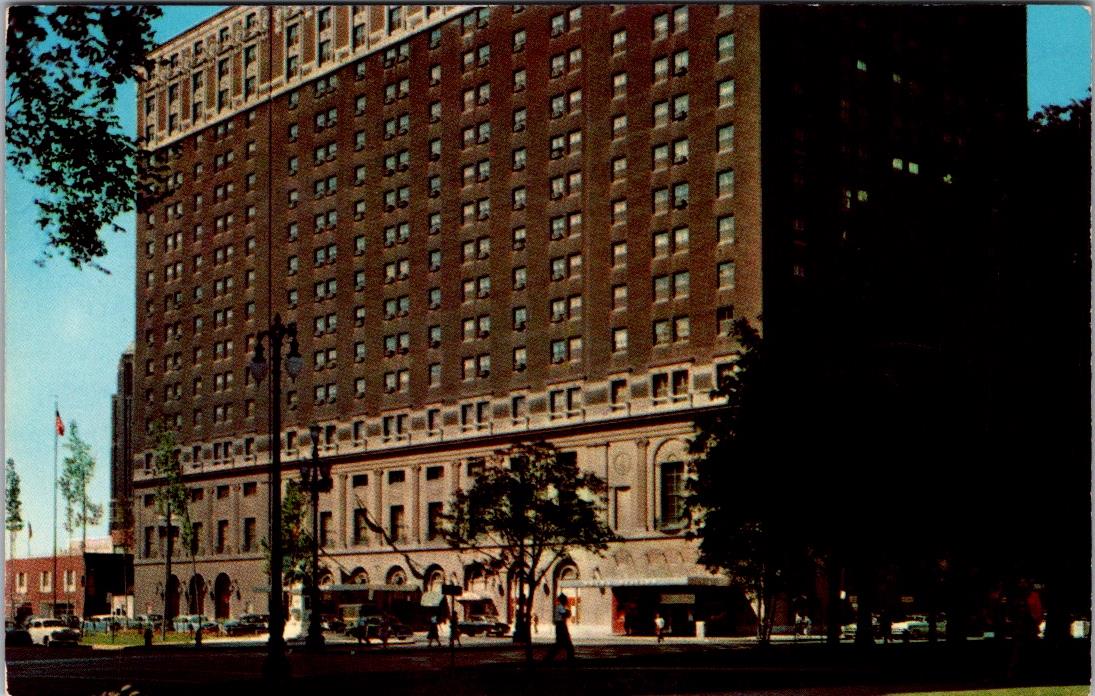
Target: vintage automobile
147	621
916	626
101	623
368	627
52	632
16	636
246	625
189	624
479	624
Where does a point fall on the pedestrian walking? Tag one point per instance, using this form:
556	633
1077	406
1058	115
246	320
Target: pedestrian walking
659	627
454	632
562	633
385	631
885	622
432	634
536	624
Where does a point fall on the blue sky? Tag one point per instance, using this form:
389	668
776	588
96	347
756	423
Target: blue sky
65	329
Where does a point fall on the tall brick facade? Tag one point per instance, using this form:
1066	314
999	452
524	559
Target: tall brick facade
497	224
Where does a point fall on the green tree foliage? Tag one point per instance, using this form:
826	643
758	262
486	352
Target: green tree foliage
1047	433
64	66
739	494
172	496
13	522
528	508
76	473
171	501
296	539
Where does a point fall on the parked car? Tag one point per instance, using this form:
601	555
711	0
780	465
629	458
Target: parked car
368	627
52	632
100	623
334	625
916	626
477	624
248	624
143	621
16	636
190	623
851	629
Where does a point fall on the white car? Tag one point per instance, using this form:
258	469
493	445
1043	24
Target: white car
917	627
52	632
189	624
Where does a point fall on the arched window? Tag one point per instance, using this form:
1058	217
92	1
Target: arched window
396	576
358	576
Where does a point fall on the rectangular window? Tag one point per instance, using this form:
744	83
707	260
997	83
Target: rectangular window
726	93
434	520
725	138
725	183
725	47
361	524
249	534
725	272
396	525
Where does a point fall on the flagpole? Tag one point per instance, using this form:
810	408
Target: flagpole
56	415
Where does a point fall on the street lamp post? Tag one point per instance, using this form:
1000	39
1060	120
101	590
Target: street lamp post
276	663
315	476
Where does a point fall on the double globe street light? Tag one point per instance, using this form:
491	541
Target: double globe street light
315	477
277	665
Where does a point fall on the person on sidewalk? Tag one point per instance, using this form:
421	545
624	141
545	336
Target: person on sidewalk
562	633
432	634
659	627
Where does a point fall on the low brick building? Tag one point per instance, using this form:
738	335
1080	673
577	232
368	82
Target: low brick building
30	587
90	583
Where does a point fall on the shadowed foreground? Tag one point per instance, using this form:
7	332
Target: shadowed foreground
499	669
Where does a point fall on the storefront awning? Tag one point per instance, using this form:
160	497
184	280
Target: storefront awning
346	587
371	587
672	581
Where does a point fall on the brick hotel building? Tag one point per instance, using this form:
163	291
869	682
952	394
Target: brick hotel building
496	224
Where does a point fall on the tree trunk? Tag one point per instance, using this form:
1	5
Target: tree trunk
83	513
526	613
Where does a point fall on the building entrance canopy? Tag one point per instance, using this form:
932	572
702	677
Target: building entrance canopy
672	581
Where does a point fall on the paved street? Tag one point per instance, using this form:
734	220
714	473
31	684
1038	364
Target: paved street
604	667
